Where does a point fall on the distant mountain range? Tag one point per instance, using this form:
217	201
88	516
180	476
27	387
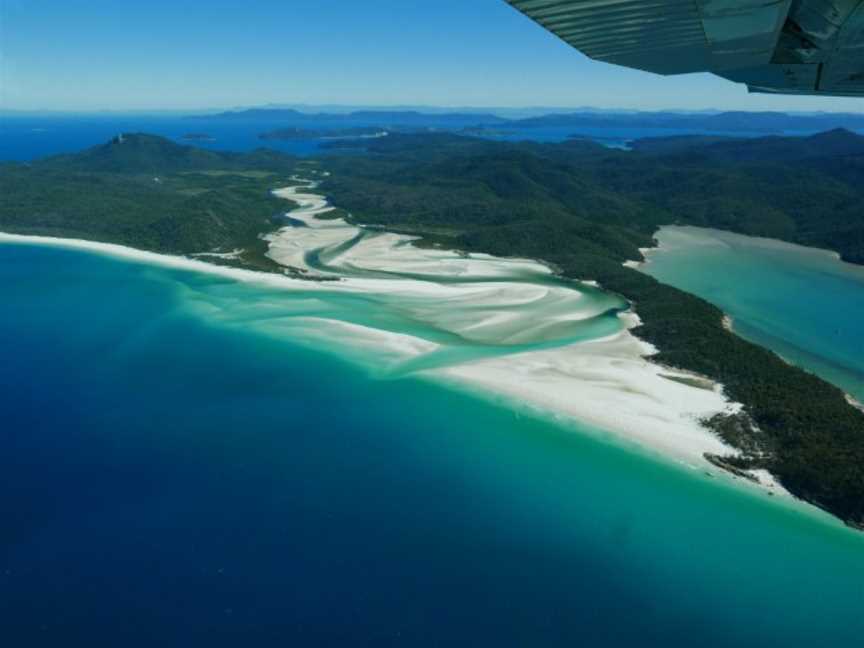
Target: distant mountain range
736	121
368	117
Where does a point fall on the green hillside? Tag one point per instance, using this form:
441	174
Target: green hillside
150	193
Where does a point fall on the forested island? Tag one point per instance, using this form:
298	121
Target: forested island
577	205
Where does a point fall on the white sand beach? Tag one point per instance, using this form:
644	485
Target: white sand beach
495	326
607	382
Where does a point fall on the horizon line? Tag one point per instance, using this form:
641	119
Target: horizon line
347	107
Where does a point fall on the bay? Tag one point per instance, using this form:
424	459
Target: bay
174	479
801	302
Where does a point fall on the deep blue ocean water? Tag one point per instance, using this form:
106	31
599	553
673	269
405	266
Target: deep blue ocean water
169	479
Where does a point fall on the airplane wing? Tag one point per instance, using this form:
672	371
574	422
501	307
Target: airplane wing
813	47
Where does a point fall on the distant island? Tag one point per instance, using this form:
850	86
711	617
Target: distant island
720	122
388	118
578	206
295	133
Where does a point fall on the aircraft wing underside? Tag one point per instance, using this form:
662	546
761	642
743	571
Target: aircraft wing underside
777	46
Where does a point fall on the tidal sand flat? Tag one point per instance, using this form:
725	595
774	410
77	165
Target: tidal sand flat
803	303
506	327
179	472
501	328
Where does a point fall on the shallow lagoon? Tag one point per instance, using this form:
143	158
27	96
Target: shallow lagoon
175	479
803	303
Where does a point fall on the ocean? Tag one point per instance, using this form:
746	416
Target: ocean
175	479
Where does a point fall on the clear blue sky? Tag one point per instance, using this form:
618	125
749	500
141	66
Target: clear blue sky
128	54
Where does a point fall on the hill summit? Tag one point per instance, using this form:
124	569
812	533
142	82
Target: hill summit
140	153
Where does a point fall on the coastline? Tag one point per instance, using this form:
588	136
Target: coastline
607	383
825	262
699	256
613	375
764	242
408	446
488	383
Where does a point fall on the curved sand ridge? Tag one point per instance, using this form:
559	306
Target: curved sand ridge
502	326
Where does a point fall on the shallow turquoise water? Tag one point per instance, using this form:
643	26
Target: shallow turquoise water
803	303
174	479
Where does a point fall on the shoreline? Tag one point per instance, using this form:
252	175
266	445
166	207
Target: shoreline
608	383
760	241
604	368
500	395
687	244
